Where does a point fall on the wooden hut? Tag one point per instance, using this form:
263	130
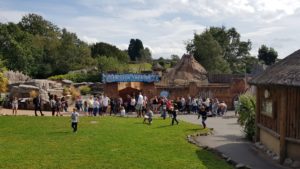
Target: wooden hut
278	107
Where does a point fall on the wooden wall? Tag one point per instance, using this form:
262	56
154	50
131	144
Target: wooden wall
292	112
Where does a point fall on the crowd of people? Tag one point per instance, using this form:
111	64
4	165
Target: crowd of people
140	104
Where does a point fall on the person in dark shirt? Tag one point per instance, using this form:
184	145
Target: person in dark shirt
173	112
37	101
203	114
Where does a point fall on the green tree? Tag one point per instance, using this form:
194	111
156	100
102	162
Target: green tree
105	64
37	25
233	49
105	49
246	111
146	55
15	48
3	79
208	52
134	49
267	55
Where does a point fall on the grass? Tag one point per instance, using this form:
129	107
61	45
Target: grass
106	142
137	68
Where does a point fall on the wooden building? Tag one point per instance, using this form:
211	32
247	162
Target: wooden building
278	107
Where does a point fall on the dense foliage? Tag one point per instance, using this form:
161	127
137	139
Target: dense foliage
78	77
3	79
40	49
246	111
267	55
220	50
104	49
137	52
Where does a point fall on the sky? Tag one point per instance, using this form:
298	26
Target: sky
165	26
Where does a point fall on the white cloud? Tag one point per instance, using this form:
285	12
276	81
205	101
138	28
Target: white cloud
11	15
164	26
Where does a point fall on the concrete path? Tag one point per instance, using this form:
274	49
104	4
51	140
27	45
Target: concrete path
228	138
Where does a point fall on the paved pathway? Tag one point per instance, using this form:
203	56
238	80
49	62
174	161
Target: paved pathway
228	138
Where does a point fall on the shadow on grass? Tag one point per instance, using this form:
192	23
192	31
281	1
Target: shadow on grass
164	126
211	160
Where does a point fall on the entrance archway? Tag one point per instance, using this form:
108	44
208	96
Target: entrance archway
128	91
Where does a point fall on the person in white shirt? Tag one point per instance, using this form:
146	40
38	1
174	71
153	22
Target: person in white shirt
132	104
90	103
105	102
139	105
74	120
122	111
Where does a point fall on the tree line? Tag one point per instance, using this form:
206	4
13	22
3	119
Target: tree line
221	50
41	49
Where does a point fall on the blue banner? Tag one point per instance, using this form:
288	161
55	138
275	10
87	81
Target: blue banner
148	78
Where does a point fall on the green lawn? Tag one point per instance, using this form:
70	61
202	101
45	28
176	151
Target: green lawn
106	142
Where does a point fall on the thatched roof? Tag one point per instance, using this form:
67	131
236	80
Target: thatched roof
157	67
187	69
285	72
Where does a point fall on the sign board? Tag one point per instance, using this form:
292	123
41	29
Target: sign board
164	93
147	78
267	108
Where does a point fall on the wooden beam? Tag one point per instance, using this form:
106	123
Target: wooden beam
282	115
273	133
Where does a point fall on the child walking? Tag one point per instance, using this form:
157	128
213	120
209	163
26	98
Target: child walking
148	116
174	115
74	119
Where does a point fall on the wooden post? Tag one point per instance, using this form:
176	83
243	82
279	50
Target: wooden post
283	112
257	114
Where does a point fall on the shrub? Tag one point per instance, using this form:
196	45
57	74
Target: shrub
84	90
33	93
246	111
74	92
78	77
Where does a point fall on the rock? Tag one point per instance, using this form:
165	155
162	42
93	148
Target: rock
296	164
248	167
224	156
257	144
240	165
276	157
288	162
65	81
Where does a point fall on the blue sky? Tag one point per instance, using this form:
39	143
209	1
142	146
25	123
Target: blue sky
166	25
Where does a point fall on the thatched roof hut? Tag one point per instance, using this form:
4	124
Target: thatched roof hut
285	72
187	69
278	108
157	67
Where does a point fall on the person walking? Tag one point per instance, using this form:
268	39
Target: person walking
52	105
105	103
203	113
139	105
14	106
90	105
37	101
74	120
173	112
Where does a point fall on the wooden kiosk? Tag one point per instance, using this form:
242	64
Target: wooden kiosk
278	107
